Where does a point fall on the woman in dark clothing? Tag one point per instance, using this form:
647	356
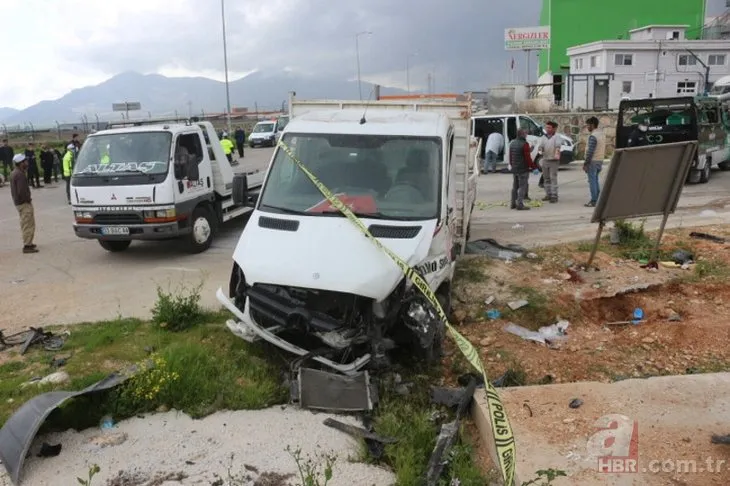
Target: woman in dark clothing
46	164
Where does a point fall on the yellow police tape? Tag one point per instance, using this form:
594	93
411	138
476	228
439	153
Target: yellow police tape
481	206
504	439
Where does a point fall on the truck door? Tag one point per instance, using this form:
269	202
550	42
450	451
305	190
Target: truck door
188	193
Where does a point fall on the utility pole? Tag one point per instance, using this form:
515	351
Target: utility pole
707	71
408	71
357	53
225	64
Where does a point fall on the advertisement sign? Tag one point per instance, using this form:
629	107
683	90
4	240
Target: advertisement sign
527	38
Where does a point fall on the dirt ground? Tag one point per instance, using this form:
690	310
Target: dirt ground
685	328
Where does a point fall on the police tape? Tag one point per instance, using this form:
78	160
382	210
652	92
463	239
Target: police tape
481	206
504	440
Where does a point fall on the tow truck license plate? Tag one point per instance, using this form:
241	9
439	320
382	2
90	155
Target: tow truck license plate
114	230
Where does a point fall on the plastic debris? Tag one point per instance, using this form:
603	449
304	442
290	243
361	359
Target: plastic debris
489	300
106	423
493	314
545	335
517	304
638	316
681	257
575	403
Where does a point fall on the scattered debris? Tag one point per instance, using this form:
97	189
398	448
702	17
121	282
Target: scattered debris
447	437
493	314
272	479
720	439
509	378
48	450
575	403
706	236
574	276
109	439
489	300
518	226
525	405
681	257
106	422
322	390
547	335
517	304
531	256
53	379
493	249
31	337
376	443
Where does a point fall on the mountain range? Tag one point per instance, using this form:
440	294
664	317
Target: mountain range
161	96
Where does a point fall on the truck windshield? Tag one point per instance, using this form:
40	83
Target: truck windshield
263	128
378	176
668	120
125	154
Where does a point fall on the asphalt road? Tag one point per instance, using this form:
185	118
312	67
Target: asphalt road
74	280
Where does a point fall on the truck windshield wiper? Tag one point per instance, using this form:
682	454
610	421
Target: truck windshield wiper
286	210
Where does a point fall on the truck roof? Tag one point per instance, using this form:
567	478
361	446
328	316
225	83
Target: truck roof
379	121
161	127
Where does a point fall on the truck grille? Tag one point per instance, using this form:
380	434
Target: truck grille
118	218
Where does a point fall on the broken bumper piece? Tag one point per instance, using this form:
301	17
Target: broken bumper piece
250	331
321	390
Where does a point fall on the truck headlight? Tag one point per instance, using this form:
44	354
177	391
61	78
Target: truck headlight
159	214
83	215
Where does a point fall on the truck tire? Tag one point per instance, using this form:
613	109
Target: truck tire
201	234
724	165
115	246
240	187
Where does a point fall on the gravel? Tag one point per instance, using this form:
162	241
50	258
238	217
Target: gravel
171	448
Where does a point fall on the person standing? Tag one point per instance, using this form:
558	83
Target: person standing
33	173
20	191
494	145
46	163
240	136
521	162
68	161
595	153
227	146
6	157
550	149
57	157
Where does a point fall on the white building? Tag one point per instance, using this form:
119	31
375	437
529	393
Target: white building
656	61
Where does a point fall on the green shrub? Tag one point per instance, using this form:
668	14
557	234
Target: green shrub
178	311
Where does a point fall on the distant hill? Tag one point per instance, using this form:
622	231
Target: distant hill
7	113
161	95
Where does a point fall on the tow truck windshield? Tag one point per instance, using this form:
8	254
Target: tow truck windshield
378	176
125	154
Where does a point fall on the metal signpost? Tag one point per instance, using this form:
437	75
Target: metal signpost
127	106
643	181
527	39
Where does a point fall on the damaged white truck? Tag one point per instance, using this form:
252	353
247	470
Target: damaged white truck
307	280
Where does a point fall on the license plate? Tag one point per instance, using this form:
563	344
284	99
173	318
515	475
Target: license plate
114	230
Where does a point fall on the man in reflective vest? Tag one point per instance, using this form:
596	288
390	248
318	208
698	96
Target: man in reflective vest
227	148
68	159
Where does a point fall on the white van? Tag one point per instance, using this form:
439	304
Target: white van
265	134
507	125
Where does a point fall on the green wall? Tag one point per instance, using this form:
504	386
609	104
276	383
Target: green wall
575	22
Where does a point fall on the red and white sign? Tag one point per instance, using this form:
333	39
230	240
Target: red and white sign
527	38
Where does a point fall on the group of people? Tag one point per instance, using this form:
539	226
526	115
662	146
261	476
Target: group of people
228	146
549	148
22	171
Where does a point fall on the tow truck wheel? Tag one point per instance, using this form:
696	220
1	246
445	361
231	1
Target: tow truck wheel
201	236
706	172
115	245
724	165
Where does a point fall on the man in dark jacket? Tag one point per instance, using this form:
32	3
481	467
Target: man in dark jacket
637	138
6	157
240	140
34	175
522	164
46	163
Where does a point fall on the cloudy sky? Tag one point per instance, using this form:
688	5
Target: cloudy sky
53	46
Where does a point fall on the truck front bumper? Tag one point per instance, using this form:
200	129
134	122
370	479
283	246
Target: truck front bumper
149	231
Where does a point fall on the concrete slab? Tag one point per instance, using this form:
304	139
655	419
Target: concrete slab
664	424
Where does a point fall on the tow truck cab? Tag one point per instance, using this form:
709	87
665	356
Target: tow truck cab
305	278
154	181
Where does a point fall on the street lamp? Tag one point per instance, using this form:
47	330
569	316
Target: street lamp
357	51
225	63
408	71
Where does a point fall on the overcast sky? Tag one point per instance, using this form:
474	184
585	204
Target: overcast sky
52	46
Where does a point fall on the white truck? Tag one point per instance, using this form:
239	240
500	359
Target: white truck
307	280
155	181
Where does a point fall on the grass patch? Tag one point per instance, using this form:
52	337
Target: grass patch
711	269
471	269
409	419
178	311
538	312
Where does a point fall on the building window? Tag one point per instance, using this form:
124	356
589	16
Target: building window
716	60
687	60
624	59
626	87
686	87
594	61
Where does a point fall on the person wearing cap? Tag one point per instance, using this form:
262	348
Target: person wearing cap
68	160
227	146
20	191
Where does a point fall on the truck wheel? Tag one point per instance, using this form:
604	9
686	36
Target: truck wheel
724	165
706	172
115	246
201	236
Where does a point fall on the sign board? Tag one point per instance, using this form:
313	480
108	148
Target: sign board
527	38
130	106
